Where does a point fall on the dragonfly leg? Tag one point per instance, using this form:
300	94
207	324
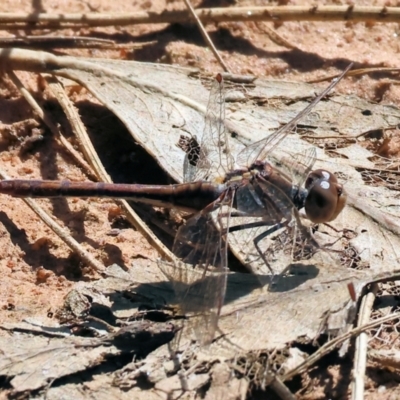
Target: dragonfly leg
247	226
263	235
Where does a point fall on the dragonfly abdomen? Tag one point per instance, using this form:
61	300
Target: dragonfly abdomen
186	196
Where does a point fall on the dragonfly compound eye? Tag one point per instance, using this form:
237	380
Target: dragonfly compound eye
326	197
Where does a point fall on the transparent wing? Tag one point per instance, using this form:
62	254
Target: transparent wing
296	167
270	212
215	158
260	149
189	170
301	165
199	279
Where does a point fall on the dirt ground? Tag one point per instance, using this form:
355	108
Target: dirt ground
37	269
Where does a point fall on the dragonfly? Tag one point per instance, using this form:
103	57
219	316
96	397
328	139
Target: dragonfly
220	188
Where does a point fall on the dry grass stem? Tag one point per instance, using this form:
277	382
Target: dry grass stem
57	41
205	36
272	14
360	356
75	42
77	127
64	236
328	347
281	389
386	358
277	39
45	118
357	72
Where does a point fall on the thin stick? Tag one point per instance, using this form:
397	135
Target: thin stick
65	236
205	36
328	347
68	42
360	356
53	128
61	41
281	389
272	14
77	127
275	37
386	358
357	72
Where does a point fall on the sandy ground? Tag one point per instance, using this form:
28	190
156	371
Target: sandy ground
36	268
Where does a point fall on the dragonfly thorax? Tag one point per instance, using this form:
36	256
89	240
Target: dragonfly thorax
263	170
299	196
261	167
242	176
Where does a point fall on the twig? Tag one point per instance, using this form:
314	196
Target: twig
281	389
275	37
272	14
205	36
360	356
56	41
66	237
44	117
76	126
328	347
386	358
43	41
357	72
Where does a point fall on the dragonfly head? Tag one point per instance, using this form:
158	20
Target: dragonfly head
326	197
